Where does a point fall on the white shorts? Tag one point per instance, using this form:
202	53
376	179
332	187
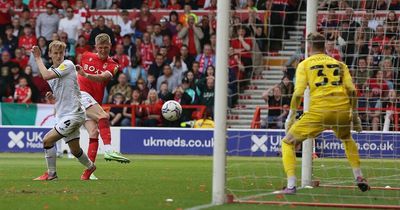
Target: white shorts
87	100
68	126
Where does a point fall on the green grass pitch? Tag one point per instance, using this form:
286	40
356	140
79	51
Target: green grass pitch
149	181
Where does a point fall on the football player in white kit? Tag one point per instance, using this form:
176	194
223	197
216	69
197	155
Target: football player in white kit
62	79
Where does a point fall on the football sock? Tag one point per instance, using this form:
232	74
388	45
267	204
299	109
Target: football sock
92	149
84	160
50	155
289	162
351	150
291	182
59	151
104	129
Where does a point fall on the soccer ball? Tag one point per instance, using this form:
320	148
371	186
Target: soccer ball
171	110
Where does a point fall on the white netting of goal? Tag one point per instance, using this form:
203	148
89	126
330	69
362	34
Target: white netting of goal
365	36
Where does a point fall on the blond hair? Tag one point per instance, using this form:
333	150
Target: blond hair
57	45
316	41
103	38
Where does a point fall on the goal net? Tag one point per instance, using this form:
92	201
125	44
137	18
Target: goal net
362	34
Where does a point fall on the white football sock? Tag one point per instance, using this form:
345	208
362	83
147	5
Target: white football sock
84	160
357	172
291	182
50	155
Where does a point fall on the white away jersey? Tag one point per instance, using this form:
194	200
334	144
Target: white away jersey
66	90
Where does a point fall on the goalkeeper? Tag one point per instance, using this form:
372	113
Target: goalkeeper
333	105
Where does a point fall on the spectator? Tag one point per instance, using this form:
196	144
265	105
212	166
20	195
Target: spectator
134	71
129	47
164	27
391	24
172	50
196	70
243	45
18	29
184	18
361	73
286	87
151	82
20	58
192	80
82	46
28	39
127	25
135	101
101	28
47	23
164	94
121	87
156	68
173	22
186	57
168	76
191	36
276	116
70	25
187	88
173	5
116	112
147	50
6	61
178	68
376	53
332	51
123	59
5	84
176	40
389	75
62	11
144	18
25	16
207	93
207	29
152	110
362	36
157	37
23	92
379	37
87	30
207	58
82	11
142	86
10	41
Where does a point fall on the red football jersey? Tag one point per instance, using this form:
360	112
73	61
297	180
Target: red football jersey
92	64
22	94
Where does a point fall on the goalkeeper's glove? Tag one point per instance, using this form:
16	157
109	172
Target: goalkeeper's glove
356	122
291	118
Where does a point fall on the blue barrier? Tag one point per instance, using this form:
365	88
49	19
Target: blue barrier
172	141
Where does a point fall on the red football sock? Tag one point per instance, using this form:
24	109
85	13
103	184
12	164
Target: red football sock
104	129
93	147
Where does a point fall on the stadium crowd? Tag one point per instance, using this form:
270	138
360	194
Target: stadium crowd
173	57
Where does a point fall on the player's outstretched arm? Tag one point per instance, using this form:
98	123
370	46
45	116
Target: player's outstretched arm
46	74
104	76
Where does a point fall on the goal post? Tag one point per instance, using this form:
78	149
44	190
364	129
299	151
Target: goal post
306	163
220	104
